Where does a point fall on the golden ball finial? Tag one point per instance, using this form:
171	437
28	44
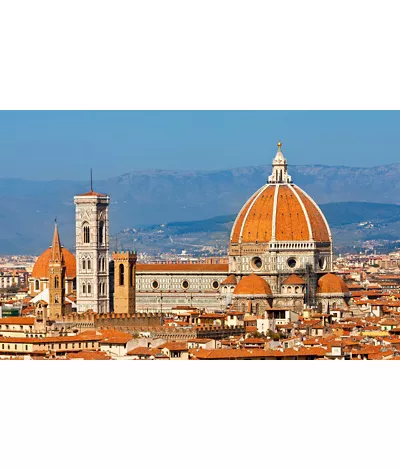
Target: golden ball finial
279	145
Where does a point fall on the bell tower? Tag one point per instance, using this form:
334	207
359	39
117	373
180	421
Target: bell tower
92	252
56	278
124	281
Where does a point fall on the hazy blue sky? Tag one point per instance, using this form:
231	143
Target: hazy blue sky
65	144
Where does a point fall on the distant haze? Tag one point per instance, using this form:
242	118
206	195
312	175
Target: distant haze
28	208
47	145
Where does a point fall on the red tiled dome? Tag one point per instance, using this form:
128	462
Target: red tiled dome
229	281
293	279
331	284
252	285
282	212
41	267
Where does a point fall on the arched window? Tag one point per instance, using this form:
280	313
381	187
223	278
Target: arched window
121	274
103	264
101	232
57	300
89	288
130	275
86	233
83	288
37	284
56	282
89	264
83	264
100	270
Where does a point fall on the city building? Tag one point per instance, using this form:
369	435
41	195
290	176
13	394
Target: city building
52	282
280	255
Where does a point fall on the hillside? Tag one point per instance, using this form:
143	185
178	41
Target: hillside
28	208
354	225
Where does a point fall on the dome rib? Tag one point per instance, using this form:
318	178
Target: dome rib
281	212
236	229
321	230
310	232
265	187
259	222
276	194
291	221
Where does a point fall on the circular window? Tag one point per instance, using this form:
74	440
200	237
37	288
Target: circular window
322	263
215	284
291	262
155	285
185	284
256	262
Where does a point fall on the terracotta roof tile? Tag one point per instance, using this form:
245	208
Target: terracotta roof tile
254	221
41	267
293	279
229	281
331	283
252	285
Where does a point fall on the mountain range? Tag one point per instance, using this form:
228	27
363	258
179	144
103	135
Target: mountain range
355	226
140	198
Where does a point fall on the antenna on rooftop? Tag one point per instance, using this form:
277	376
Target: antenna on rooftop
91	180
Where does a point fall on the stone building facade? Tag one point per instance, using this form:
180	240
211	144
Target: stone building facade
280	236
160	287
124	282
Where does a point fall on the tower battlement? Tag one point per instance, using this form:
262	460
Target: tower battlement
124	256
